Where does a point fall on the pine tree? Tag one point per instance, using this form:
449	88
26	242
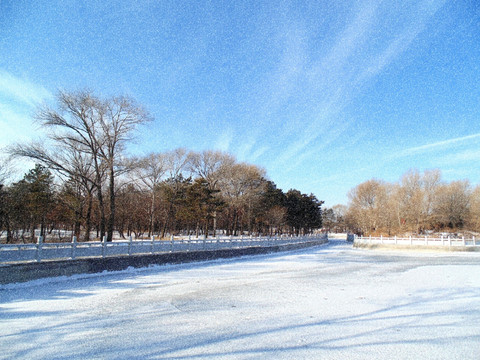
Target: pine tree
39	183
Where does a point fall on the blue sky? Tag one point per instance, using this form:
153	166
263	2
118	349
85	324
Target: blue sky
322	94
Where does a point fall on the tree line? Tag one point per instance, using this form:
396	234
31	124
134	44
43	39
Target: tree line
85	182
418	203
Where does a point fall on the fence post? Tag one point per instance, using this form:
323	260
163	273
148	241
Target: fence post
474	243
449	241
39	248
395	237
152	244
130	239
171	243
463	240
411	242
426	240
74	247
104	246
381	239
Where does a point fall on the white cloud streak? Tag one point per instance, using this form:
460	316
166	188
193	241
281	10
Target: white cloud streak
350	64
436	145
224	140
402	40
18	98
19	90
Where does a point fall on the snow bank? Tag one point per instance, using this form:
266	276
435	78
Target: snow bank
330	302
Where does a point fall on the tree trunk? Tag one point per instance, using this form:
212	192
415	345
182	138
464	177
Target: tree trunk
42	228
101	208
111	219
215	223
9	232
76	226
234	222
152	214
206	228
164	228
32	233
88	220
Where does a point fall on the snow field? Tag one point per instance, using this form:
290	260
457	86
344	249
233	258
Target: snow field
328	302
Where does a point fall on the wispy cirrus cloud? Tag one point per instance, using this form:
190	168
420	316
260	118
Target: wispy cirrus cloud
18	98
421	13
437	145
224	140
466	156
362	50
16	89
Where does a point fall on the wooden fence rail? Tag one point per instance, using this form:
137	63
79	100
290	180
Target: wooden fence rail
41	251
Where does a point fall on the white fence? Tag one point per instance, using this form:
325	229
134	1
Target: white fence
420	241
11	253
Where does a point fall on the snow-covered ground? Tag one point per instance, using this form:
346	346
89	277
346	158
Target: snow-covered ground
328	302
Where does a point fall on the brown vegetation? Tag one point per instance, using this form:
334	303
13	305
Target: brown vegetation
418	203
99	189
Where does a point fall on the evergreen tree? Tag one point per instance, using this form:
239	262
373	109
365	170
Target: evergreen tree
39	182
304	212
201	203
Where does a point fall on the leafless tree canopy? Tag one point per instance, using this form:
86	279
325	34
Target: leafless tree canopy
177	191
88	135
419	202
100	189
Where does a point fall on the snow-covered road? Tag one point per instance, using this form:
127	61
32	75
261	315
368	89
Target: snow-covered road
328	302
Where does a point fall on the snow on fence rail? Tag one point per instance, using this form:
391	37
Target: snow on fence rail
10	253
419	241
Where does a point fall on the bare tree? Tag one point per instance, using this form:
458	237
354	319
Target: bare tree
411	199
74	126
5	170
68	162
177	163
4	201
418	202
119	116
211	166
431	181
368	202
241	187
150	171
87	127
452	204
474	218
339	212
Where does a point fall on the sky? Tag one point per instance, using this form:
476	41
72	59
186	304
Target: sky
321	94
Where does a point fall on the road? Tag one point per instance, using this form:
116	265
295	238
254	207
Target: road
328	302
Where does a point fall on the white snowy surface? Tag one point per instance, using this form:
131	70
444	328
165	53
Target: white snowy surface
328	302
